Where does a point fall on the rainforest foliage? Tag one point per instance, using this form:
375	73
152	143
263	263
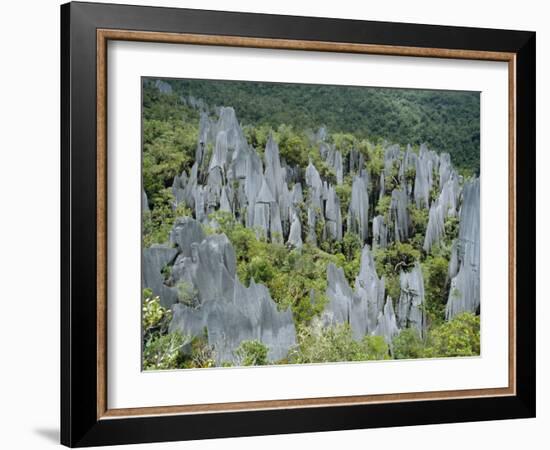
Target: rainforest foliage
360	118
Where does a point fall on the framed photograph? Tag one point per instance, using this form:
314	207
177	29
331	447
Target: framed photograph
276	224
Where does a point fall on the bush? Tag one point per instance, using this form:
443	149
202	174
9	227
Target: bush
335	344
458	337
408	344
158	222
397	257
154	316
419	219
435	270
187	294
251	353
161	352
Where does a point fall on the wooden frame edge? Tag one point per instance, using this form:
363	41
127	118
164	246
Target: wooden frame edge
290	44
103	36
101	223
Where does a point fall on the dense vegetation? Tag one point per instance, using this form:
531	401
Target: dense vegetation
448	121
355	118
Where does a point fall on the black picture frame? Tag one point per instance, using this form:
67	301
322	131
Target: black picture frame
80	425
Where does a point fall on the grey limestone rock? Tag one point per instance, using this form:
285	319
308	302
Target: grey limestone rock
297	195
387	323
225	204
219	156
163	87
449	196
144	202
422	181
184	233
436	226
333	216
392	154
311	222
313	179
155	258
228	310
274	173
370	291
465	259
445	168
358	217
295	235
399	213
410	309
340	296
379	232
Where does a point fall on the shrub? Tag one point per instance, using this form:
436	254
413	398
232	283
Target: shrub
458	337
334	344
435	271
161	352
252	353
397	257
187	294
154	315
408	344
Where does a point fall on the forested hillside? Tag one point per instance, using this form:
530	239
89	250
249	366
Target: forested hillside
446	121
277	231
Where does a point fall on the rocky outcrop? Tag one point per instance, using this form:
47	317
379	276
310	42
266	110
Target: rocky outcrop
387	323
410	308
295	235
144	202
205	294
155	259
358	215
340	296
333	216
465	260
360	308
379	232
245	313
399	213
163	87
370	291
436	226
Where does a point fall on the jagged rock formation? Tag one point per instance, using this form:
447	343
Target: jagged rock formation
387	323
410	312
379	232
155	259
297	207
436	226
363	308
340	296
205	293
333	216
358	215
369	290
144	202
399	209
295	235
465	259
163	87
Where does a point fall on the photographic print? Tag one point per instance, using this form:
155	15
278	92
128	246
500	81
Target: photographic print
297	223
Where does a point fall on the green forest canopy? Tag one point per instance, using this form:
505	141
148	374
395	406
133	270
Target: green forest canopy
448	121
